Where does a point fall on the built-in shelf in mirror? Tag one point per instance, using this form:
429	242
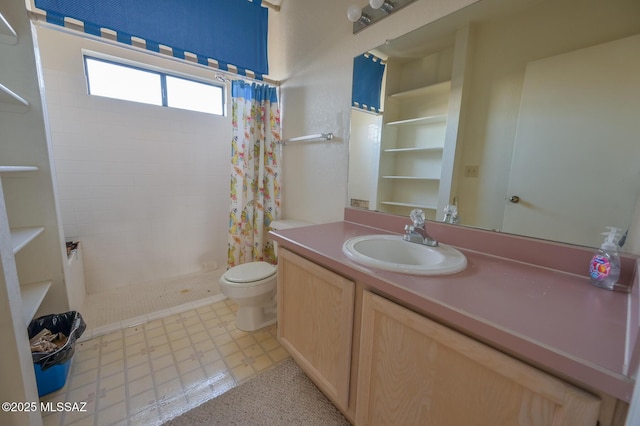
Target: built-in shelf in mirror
431	90
418	121
412	177
414	149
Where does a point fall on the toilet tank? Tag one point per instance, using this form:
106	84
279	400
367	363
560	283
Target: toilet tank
286	224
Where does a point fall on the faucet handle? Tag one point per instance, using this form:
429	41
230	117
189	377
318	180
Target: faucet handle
417	216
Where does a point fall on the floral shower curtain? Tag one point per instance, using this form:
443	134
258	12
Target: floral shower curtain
255	172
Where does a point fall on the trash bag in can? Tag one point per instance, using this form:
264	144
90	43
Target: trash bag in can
70	324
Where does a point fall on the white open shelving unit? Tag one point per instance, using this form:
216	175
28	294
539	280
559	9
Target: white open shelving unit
8	96
414	159
32	294
32	269
412	149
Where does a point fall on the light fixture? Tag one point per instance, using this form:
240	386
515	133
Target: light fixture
384	5
373	12
355	15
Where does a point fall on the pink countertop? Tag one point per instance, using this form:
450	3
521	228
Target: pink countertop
552	319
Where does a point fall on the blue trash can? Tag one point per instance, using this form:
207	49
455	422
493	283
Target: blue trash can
52	368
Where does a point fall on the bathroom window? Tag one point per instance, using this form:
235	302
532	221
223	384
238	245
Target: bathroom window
133	83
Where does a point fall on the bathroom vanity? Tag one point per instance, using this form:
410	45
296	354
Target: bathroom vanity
518	337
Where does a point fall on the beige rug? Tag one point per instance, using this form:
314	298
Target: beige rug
283	395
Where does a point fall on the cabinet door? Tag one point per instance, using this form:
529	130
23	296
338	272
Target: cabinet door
315	322
414	371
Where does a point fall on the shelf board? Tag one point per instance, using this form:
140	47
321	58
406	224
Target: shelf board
414	149
431	90
431	119
411	177
17	169
7	34
7	96
32	297
418	205
20	237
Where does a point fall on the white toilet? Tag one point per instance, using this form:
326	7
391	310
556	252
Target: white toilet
253	287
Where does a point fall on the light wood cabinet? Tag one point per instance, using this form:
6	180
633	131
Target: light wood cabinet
413	371
383	364
315	322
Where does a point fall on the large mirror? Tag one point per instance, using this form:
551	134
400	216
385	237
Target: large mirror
523	115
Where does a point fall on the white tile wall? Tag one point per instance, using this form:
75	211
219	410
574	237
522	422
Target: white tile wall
144	188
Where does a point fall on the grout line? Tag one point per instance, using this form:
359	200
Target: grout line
154	379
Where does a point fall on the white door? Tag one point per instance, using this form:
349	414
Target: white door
576	159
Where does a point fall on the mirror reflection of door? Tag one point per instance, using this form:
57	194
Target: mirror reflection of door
554	145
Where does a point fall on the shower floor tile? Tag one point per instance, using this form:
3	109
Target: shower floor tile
138	304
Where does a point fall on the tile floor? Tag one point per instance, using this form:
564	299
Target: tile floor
149	373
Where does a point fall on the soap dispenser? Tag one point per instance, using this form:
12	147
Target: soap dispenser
604	268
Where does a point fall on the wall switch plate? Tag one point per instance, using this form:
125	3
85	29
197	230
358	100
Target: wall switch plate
471	171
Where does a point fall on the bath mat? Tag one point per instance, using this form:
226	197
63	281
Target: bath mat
283	395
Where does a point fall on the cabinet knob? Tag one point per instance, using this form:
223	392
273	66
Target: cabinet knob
514	199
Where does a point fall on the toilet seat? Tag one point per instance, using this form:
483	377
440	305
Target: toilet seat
249	274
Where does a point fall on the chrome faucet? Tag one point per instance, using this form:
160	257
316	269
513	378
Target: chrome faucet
417	233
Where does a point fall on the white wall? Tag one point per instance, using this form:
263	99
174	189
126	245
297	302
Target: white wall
145	188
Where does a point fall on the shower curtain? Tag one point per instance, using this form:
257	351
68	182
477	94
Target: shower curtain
255	172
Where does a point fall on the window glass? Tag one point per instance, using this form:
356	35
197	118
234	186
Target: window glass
133	83
123	82
193	95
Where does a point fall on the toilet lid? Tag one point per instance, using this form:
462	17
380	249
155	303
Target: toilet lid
249	272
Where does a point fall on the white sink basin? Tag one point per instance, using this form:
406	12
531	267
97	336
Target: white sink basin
392	253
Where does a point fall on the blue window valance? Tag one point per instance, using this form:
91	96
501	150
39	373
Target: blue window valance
259	92
368	71
232	32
